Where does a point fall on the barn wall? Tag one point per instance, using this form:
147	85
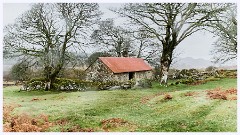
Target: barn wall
99	72
143	75
121	77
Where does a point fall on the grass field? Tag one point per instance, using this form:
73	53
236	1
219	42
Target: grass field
143	110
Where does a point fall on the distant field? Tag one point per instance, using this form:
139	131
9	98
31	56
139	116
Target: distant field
179	108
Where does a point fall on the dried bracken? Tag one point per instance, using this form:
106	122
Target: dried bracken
167	97
25	123
232	91
218	93
62	122
41	123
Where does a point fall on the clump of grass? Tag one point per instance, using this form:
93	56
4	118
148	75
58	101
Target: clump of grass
190	93
77	128
109	124
145	99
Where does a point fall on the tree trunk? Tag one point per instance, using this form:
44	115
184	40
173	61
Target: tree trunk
52	73
50	77
169	45
140	49
165	64
47	72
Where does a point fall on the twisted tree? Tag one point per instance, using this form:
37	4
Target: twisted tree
171	23
114	38
48	33
225	48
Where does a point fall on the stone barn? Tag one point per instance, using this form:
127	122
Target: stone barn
118	69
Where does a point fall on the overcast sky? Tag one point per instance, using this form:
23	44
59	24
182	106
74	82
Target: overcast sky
198	45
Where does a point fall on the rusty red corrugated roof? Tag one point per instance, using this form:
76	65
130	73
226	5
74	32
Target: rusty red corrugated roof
125	64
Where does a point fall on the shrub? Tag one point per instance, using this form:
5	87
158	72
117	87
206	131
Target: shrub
73	74
210	68
20	71
144	83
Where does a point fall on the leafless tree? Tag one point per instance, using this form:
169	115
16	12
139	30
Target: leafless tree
171	23
113	38
48	34
225	48
144	45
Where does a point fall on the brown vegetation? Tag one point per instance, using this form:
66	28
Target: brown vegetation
218	93
167	97
26	123
23	122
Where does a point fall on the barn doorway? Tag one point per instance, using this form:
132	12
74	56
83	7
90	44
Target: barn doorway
131	75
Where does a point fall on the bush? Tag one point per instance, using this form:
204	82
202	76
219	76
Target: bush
20	72
228	73
210	68
144	83
73	74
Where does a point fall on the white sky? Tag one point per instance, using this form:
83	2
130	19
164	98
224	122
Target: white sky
197	45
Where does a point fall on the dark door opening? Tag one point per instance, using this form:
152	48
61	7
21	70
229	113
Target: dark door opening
131	75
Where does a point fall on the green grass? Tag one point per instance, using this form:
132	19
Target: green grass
88	109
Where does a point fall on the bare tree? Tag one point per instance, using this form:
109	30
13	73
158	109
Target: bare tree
171	23
48	33
114	38
144	44
225	48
